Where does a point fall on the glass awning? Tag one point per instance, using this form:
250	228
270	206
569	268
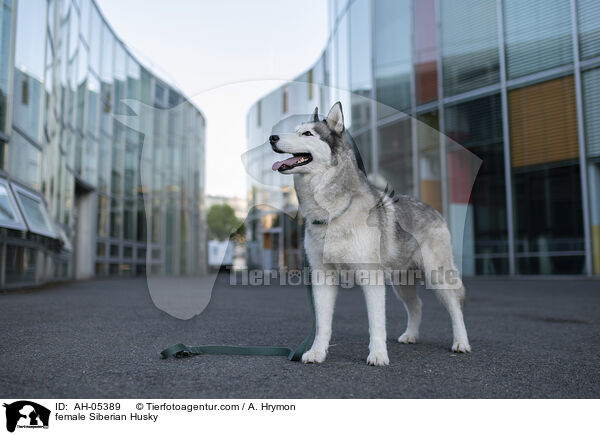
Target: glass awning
10	216
23	210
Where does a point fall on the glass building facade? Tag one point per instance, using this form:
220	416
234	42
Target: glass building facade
516	83
74	199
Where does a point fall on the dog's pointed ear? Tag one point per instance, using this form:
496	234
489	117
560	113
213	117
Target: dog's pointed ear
335	118
315	116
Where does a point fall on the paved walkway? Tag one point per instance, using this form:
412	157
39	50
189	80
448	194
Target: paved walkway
530	338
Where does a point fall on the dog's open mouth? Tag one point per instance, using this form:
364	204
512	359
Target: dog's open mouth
299	159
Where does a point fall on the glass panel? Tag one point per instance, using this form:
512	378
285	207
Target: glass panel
9	214
594	193
84	7
395	155
102	220
104	163
591	113
392	44
29	67
546	264
114	250
95	39
548	215
35	214
469	44
106	81
25	160
115	218
93	96
360	63
90	173
128	220
428	142
543	123
477	126
426	51
120	78
20	264
588	16
141	221
364	145
538	35
116	183
156	219
6	15
343	70
130	170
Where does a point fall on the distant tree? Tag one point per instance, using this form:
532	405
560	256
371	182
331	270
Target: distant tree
222	222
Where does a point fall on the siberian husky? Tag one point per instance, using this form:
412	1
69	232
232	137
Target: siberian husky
354	226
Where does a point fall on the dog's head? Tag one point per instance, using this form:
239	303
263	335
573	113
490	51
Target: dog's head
314	146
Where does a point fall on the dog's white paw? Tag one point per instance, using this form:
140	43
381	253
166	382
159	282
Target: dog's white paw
461	346
314	356
408	337
378	358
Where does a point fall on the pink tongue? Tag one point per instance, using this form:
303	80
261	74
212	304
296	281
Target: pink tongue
289	162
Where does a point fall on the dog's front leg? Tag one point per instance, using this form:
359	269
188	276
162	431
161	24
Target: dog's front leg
375	298
324	299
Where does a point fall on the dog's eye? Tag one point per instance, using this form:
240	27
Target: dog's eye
307	133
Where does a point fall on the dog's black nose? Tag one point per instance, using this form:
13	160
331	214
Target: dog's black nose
273	139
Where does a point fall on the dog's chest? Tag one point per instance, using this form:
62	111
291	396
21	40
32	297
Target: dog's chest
345	242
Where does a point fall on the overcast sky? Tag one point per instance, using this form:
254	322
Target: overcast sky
224	55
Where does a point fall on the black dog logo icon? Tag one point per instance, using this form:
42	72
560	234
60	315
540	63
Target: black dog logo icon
30	412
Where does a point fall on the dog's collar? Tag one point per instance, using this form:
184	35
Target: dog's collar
321	222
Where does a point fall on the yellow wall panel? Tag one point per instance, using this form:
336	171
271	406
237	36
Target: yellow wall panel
543	123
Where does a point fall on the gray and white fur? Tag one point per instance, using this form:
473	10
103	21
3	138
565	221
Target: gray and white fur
352	225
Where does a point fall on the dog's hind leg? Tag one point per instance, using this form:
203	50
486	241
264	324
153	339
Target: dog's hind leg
375	298
441	276
413	305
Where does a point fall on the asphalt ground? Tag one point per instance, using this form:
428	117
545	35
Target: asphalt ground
531	338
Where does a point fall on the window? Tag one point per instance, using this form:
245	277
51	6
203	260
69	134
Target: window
591	111
588	15
10	217
543	123
25	93
477	126
95	39
469	44
25	160
20	264
426	51
538	35
395	155
6	14
428	142
115	218
102	216
392	42
548	220
284	101
35	213
363	145
128	218
360	63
